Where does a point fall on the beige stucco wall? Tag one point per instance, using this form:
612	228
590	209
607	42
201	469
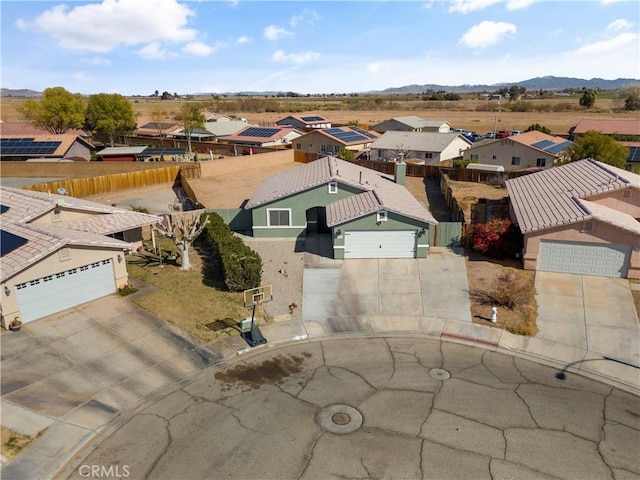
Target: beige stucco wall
617	200
66	215
313	141
601	233
505	149
52	264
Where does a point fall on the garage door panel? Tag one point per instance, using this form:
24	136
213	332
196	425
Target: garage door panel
47	295
380	244
608	260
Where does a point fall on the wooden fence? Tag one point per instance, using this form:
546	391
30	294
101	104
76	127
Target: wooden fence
96	185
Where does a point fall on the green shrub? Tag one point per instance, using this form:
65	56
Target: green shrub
241	266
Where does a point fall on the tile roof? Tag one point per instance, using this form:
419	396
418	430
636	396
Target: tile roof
417	122
554	197
419	141
279	132
381	192
66	142
27	243
608	126
220	129
611	216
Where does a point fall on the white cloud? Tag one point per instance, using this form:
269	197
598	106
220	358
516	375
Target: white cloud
22	24
295	58
274	33
619	24
374	67
243	40
468	6
234	3
604	47
153	51
307	16
486	33
609	2
200	49
101	27
97	61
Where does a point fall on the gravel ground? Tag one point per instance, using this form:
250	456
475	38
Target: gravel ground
282	267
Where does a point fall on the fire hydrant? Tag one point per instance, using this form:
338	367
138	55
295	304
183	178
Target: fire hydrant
494	314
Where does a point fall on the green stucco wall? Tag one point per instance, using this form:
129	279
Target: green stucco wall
299	204
394	222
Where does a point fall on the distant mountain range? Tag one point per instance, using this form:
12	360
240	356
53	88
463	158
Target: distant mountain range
544	83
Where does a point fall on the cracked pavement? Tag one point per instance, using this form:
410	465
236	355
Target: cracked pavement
498	416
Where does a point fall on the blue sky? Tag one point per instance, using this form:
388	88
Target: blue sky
134	47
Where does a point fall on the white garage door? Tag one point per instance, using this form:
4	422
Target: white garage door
604	260
380	244
47	295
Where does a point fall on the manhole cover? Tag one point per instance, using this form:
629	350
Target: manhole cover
340	418
439	374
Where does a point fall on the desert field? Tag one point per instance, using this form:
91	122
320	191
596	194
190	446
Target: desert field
477	115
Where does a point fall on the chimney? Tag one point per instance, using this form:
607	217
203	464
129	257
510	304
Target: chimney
401	170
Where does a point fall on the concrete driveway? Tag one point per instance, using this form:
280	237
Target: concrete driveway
364	294
595	314
68	375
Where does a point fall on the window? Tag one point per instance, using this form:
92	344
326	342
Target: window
279	218
333	187
379	153
494	157
515	160
541	162
381	216
323	148
626	193
428	155
298	146
474	157
588	226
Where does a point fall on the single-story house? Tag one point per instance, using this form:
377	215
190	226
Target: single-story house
196	134
633	160
532	149
223	128
60	251
368	214
212	117
582	217
262	136
432	148
304	122
153	129
412	123
45	145
122	154
329	141
628	128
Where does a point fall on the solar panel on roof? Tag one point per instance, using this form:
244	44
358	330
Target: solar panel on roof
363	132
542	144
151	151
558	148
347	136
312	119
259	132
634	155
27	146
157	125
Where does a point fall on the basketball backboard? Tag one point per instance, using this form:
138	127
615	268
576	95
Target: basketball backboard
258	295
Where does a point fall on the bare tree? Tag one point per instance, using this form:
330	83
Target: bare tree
182	229
402	152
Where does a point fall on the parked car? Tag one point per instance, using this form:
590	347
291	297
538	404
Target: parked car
502	134
489	135
515	132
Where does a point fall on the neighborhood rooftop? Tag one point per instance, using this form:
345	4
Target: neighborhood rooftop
553	197
421	141
380	190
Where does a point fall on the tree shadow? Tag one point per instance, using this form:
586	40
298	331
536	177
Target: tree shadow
437	203
211	270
